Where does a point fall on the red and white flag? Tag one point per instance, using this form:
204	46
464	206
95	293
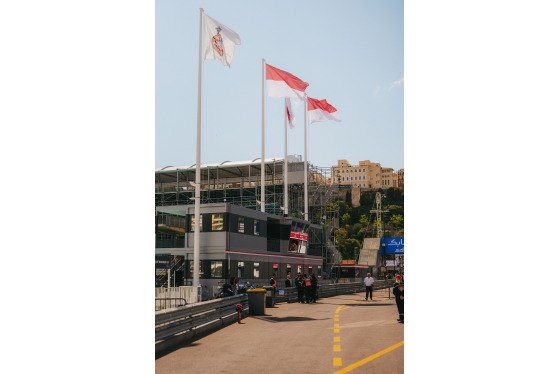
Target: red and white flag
320	111
290	113
280	83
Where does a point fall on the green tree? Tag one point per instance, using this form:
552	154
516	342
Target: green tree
341	235
364	220
350	248
397	220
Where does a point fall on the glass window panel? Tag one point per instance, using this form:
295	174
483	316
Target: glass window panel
241	224
192	223
216	269
256	270
217	222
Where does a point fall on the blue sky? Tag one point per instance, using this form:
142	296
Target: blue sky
351	53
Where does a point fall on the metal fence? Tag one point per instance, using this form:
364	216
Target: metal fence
176	296
175	325
333	289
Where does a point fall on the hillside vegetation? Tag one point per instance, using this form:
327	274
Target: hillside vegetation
359	223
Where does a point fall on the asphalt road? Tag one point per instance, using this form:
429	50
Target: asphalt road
336	335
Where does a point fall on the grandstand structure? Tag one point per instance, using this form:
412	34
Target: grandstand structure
238	183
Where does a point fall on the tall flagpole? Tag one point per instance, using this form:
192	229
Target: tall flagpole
286	156
196	262
306	202
262	143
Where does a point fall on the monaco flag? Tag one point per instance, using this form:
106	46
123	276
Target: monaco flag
320	111
280	83
219	41
290	113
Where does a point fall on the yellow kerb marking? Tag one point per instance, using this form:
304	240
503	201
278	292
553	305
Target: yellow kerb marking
336	330
336	325
336	339
337	361
368	359
336	348
336	319
336	315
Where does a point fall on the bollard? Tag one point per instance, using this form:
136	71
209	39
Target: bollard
239	308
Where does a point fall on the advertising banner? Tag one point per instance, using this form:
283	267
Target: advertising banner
298	235
392	246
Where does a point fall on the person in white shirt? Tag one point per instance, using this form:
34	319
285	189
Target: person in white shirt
368	282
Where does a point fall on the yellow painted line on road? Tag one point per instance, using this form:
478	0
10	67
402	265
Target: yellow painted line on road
337	361
336	319
336	315
336	348
336	324
368	359
336	339
336	330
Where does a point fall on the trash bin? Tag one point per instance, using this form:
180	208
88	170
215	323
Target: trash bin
257	301
270	296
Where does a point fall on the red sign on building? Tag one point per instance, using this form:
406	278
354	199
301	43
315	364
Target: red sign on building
297	235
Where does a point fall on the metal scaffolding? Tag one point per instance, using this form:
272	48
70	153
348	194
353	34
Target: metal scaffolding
239	183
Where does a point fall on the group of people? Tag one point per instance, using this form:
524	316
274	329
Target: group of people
398	291
306	287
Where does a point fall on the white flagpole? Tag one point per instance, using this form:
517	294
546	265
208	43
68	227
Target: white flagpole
306	202
286	156
262	145
196	262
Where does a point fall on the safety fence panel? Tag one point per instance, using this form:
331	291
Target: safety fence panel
173	296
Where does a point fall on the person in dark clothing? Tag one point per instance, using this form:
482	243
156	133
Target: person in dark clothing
288	282
313	288
398	291
300	285
307	289
273	283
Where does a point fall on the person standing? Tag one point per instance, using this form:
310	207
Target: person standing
368	283
398	291
235	285
288	282
300	285
307	289
313	288
273	283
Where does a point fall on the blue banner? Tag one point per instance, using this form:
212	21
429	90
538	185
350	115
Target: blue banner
392	245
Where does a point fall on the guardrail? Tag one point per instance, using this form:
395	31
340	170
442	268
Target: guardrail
332	289
182	323
173	326
169	302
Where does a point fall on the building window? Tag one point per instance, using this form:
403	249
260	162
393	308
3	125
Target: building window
192	223
256	272
257	227
217	222
216	269
200	269
240	269
241	224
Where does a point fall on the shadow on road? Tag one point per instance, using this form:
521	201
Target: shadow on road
287	319
187	344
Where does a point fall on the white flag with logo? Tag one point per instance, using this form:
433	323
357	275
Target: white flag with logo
219	41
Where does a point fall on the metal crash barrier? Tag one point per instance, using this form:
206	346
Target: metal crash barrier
173	326
333	289
176	325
